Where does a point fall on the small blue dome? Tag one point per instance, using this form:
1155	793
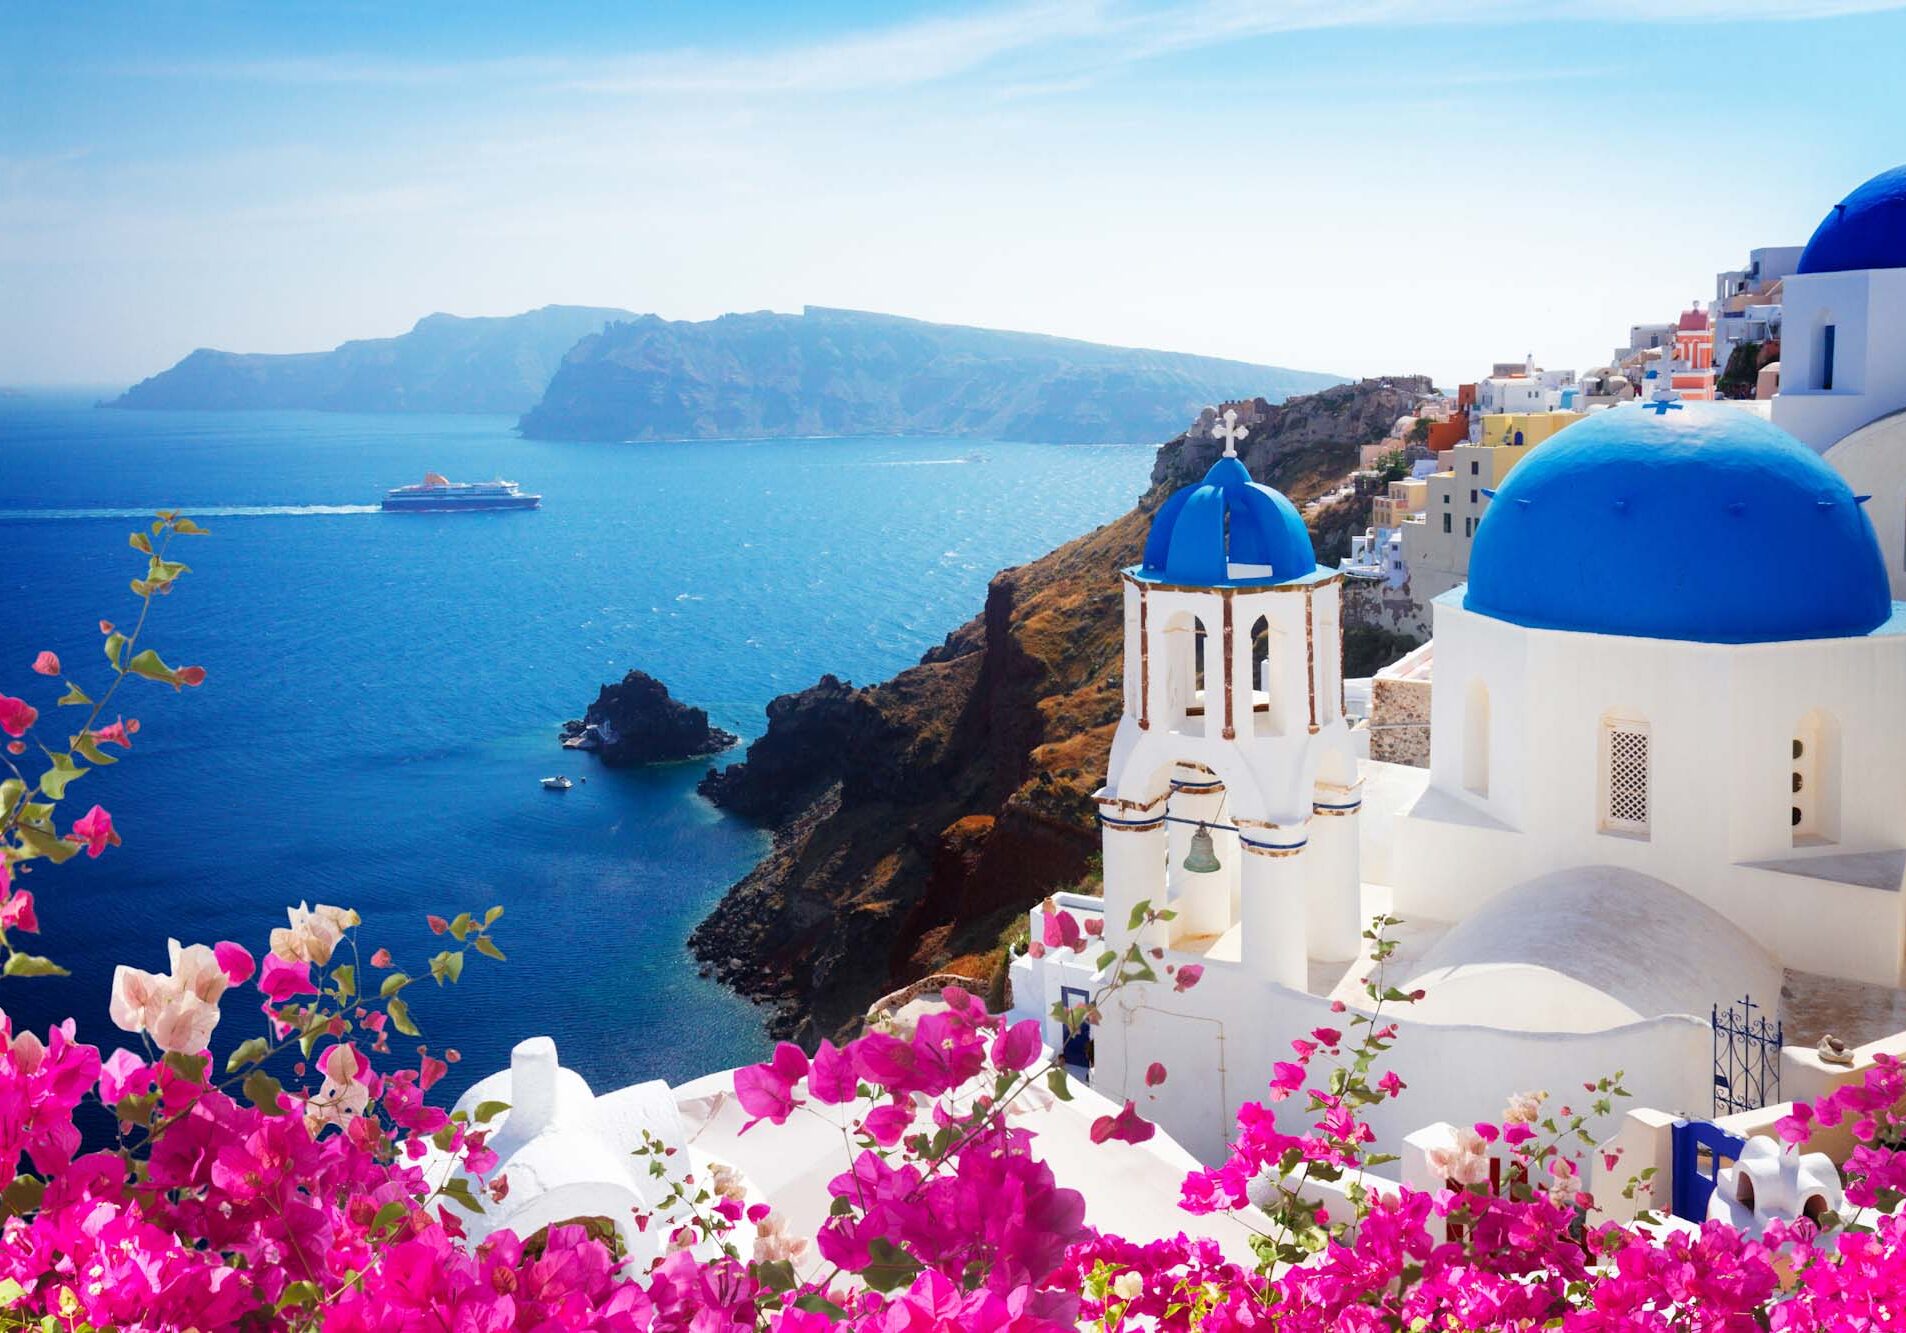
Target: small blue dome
1188	541
1867	229
1703	523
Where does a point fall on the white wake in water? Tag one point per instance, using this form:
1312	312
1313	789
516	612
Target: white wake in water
193	511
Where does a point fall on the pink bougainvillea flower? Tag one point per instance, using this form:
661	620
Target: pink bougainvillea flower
1060	930
1018	1046
123	1075
47	664
1127	1126
235	961
766	1092
112	735
887	1122
1327	1036
95	830
281	978
191	675
16	912
1154	1075
1188	976
16	747
16	715
381	958
314	933
831	1077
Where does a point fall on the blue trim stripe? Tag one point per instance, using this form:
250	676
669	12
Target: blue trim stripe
1326	805
1276	846
1130	823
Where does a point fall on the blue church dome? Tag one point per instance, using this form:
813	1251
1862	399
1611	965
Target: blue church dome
1703	522
1867	229
1227	519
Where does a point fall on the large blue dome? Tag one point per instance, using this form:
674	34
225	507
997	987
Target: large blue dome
1703	522
1227	519
1867	229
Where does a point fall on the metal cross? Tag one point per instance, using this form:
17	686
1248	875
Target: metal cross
1229	431
1665	402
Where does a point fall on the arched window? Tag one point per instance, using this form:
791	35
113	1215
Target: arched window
1476	739
1814	813
1261	665
1627	794
1184	649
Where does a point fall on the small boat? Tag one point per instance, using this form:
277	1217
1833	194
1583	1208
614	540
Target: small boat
438	494
557	784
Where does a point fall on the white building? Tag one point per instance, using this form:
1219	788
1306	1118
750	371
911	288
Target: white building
1656	783
1843	354
1747	300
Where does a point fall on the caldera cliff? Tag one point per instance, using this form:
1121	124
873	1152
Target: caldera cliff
914	819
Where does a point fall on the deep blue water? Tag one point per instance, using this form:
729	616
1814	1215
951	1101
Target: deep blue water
384	690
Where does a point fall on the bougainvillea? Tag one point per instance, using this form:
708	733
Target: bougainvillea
158	1187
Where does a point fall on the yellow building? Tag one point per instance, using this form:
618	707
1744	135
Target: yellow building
1524	428
1402	499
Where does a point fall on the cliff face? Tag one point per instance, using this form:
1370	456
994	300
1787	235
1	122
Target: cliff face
913	819
444	364
845	372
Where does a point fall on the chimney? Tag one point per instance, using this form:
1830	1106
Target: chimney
533	1068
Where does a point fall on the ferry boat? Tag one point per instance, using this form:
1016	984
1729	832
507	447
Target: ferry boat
558	783
437	492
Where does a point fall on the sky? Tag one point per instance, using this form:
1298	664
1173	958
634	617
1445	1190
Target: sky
1354	186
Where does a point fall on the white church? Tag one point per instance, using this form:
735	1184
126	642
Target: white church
1668	754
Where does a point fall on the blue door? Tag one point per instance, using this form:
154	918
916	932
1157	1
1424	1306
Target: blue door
1078	1051
1701	1149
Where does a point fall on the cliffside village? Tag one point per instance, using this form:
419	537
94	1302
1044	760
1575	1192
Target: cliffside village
1651	817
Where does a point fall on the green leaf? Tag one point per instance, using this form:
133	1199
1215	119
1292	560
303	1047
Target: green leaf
460	926
22	1196
1056	1080
152	667
191	1068
87	746
393	983
458	1188
248	1053
490	917
487	947
41	843
10	793
488	1111
390	1214
815	1302
32	965
1138	915
301	1293
114	643
185	527
346	978
891	1266
53	781
12	1292
447	966
263	1091
777	1275
74	695
138	541
400	1016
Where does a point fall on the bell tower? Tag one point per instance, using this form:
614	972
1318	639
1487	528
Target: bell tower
1232	792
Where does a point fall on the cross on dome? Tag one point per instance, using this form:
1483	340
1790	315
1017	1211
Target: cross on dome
1665	401
1229	431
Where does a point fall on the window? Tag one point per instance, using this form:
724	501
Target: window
1827	340
1475	467
1625	789
1814	814
1446	519
1476	739
1469	527
1472	497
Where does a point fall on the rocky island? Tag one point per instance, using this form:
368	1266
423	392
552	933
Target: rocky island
636	721
854	372
915	820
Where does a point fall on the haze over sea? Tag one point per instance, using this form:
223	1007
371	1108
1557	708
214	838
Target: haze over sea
384	690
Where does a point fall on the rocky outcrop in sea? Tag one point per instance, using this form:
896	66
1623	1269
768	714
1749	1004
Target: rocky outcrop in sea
636	721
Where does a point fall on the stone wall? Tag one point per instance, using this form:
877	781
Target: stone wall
1374	604
1400	721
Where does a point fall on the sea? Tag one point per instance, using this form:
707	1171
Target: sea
384	691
